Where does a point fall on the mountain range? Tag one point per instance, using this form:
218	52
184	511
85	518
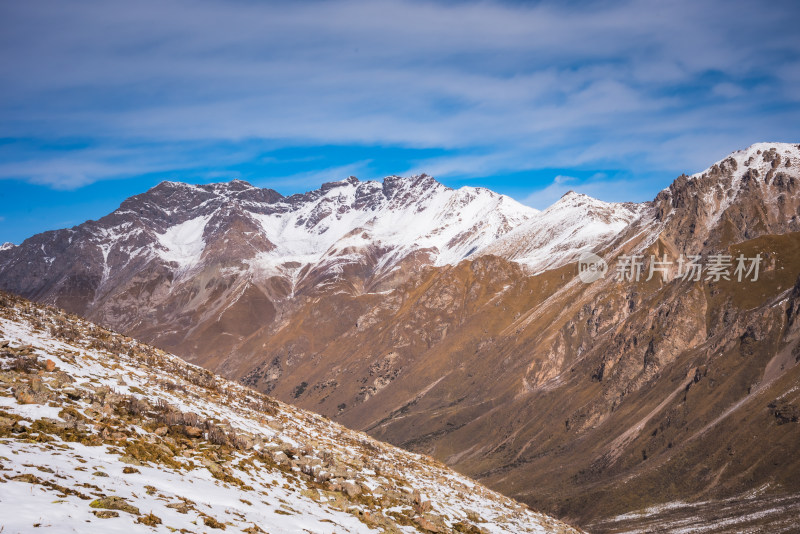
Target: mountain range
454	323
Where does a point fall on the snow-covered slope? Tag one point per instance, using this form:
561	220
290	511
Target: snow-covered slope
101	434
339	222
751	158
559	234
399	215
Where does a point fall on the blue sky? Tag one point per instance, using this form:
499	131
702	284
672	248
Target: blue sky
100	100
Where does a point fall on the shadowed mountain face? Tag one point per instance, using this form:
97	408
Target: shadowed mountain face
585	400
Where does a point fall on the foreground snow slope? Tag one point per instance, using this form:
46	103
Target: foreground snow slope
99	433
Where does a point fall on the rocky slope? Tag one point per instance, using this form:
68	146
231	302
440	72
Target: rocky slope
99	433
605	403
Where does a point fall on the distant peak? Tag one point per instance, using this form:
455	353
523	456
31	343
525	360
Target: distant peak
414	179
162	189
572	199
574	196
171	183
350	180
419	183
236	184
7	245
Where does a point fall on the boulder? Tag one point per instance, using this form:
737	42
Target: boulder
351	489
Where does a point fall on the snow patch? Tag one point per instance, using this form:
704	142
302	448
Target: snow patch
184	243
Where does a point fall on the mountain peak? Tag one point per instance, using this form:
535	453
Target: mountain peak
557	235
754	190
237	184
179	230
761	147
349	181
414	179
573	198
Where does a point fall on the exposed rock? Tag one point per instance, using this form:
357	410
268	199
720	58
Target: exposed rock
427	525
105	514
193	431
351	489
114	503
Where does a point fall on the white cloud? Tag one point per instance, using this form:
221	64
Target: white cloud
501	86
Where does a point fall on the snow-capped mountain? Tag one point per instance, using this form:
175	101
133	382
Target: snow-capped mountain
764	173
99	433
339	224
232	258
312	239
558	235
345	220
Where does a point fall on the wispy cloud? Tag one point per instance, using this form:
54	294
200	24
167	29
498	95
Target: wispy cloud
151	86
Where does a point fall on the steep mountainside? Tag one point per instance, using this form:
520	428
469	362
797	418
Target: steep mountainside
598	402
101	434
228	259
